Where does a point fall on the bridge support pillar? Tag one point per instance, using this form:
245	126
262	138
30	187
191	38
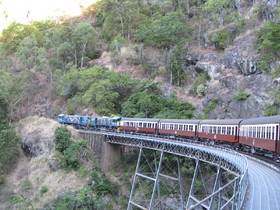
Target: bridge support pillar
106	153
111	154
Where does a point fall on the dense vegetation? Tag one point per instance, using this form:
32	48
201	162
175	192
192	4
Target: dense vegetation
9	147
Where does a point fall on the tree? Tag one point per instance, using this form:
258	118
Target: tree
12	90
82	33
177	64
165	31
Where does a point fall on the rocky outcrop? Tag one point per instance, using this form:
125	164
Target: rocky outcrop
234	71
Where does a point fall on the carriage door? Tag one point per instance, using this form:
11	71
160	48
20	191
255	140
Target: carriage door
277	139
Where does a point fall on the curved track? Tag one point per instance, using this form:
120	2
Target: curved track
263	191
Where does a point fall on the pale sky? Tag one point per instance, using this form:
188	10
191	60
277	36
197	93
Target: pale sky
24	11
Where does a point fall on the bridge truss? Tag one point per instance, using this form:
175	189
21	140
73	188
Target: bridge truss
159	181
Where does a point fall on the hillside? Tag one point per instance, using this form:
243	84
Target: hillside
220	63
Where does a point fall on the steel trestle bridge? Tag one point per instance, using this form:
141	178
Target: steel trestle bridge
160	184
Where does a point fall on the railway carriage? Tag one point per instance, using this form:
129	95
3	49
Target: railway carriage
178	127
261	133
258	134
147	125
223	130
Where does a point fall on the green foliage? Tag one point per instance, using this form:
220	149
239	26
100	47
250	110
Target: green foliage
71	155
271	110
198	85
62	138
165	31
26	185
216	5
177	63
276	72
69	151
98	88
269	41
73	200
211	106
9	147
20	202
221	39
90	196
241	96
148	102
43	190
12	90
84	171
16	32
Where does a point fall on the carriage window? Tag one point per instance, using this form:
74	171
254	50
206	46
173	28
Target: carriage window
190	127
163	126
268	132
272	132
144	125
228	130
140	124
180	127
263	133
223	130
203	129
171	126
176	127
219	129
214	129
258	132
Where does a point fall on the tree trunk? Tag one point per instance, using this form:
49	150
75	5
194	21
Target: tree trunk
83	54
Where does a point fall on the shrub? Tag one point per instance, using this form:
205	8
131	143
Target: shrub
71	155
241	96
200	80
9	148
43	190
26	185
270	110
221	39
62	138
269	41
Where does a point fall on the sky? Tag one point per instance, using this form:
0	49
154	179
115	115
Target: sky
24	11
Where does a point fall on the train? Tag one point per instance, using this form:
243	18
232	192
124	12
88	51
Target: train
257	135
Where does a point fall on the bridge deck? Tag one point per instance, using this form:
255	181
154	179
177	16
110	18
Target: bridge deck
264	187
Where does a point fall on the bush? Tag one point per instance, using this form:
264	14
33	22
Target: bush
71	155
221	39
270	110
9	148
43	190
198	85
241	96
62	138
269	41
26	185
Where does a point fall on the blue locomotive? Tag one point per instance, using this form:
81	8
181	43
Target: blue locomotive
82	122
